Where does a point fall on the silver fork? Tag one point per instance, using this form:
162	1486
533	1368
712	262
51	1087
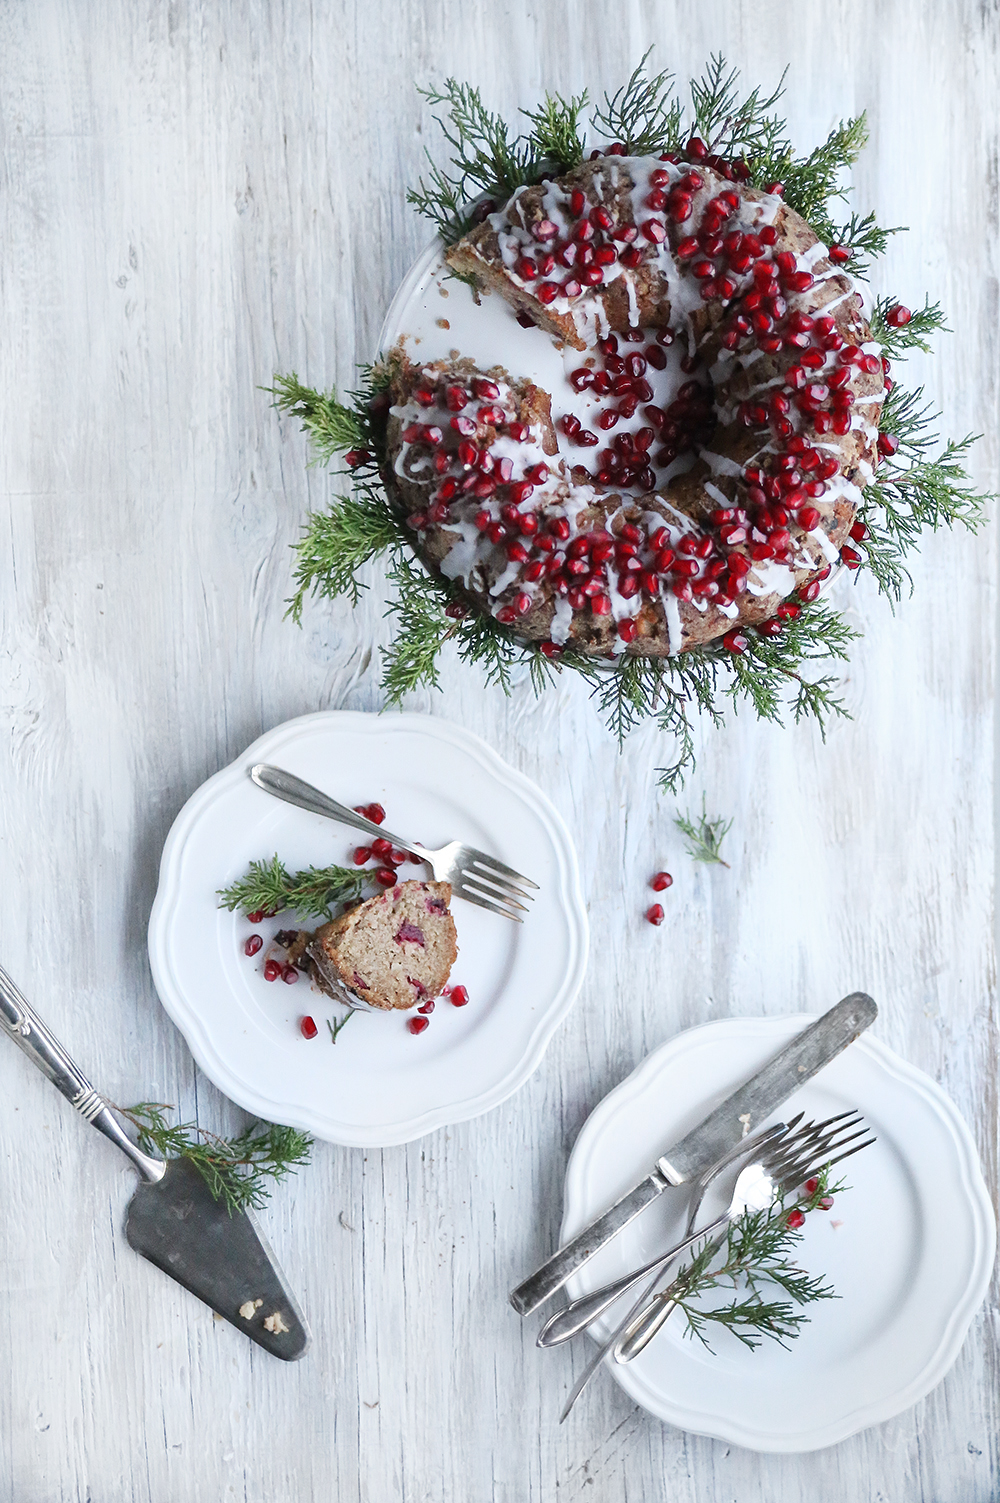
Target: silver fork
779	1169
473	875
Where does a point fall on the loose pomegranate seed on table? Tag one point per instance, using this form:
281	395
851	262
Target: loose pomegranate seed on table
385	876
272	970
307	1027
654	915
661	882
458	996
289	975
417	1025
253	944
256	916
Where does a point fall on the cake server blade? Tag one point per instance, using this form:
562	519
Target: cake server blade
224	1259
747	1107
172	1218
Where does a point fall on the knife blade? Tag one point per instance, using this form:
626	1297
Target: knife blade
798	1062
172	1218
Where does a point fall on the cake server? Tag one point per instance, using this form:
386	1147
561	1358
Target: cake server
748	1106
172	1218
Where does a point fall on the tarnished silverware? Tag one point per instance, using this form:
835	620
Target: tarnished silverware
474	876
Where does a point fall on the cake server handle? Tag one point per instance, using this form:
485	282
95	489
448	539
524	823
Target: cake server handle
19	1019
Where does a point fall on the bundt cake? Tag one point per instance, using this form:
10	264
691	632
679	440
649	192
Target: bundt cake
394	951
705	324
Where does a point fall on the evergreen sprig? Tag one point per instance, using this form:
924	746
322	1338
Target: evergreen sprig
239	1170
913	335
267	887
913	491
704	836
757	1261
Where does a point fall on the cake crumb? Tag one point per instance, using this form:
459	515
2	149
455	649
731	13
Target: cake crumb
275	1324
250	1307
745	1119
443	323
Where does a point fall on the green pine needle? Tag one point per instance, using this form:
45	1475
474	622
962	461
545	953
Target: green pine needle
336	544
704	836
313	893
756	1262
239	1170
911	336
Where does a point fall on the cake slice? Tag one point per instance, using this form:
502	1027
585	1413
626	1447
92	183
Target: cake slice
392	952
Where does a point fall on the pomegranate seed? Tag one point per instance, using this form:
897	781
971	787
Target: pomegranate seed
859	532
897	316
546	292
840	254
289	975
381	848
601	604
788	611
808	518
550	649
362	853
354	457
655	231
252	945
272	970
661	881
385	876
307	1027
795	1219
654	914
417	1025
850	557
888	443
811	1186
825	1202
397	858
256	916
734	641
627	630
459	996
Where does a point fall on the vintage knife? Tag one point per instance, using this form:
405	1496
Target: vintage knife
172	1218
808	1052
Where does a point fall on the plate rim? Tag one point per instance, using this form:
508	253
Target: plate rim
975	1196
326	1128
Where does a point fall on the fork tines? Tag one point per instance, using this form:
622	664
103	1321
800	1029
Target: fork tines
815	1146
482	880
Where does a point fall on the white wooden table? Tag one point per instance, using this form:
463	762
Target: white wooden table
194	196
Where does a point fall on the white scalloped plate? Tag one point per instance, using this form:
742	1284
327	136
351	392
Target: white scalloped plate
909	1248
380	1084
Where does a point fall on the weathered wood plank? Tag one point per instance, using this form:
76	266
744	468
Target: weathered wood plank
194	196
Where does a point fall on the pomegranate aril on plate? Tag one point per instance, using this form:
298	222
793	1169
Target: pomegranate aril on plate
253	944
272	970
661	882
654	914
417	1025
307	1027
458	996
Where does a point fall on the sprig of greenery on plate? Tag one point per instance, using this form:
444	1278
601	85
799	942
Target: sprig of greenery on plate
756	1260
922	486
268	887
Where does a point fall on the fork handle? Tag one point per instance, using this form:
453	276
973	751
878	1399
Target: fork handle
296	791
641	1329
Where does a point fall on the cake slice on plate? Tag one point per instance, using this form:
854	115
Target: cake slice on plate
390	953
